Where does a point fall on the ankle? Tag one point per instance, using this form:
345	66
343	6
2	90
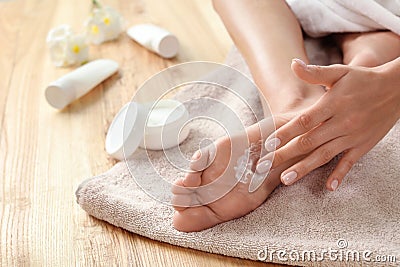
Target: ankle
295	97
366	58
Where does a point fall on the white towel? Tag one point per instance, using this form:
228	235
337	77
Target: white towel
322	17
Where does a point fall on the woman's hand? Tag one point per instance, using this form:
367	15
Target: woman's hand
360	106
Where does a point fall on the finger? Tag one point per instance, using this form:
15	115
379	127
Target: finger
303	144
316	159
343	167
312	117
323	75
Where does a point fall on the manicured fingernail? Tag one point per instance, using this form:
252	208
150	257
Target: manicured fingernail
264	166
334	184
301	62
272	144
289	177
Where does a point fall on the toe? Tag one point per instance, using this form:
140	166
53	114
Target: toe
183	197
192	179
179	188
202	158
195	219
181	202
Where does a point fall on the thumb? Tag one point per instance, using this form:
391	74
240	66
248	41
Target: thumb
323	75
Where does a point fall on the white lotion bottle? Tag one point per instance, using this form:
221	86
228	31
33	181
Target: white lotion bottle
80	81
156	39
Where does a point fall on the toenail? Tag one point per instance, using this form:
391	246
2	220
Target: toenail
289	177
196	155
264	166
272	144
334	184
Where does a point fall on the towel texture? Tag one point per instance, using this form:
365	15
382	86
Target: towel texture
297	225
322	17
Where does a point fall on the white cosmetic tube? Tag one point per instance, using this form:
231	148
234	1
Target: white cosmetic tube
75	84
155	39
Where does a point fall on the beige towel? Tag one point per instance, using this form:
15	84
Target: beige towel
295	223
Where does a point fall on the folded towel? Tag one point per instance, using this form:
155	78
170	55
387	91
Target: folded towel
297	225
322	17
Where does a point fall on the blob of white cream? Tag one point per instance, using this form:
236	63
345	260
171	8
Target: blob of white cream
159	115
165	126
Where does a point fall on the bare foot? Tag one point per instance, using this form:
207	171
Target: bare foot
218	191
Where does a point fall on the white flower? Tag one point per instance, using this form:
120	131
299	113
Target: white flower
57	42
77	50
105	24
67	48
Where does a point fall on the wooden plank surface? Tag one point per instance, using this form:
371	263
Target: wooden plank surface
45	154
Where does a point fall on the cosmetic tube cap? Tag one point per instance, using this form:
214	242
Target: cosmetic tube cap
155	39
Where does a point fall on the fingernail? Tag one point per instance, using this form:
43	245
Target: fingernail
272	144
301	62
289	177
334	184
264	166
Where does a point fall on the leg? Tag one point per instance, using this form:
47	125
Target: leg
369	49
269	37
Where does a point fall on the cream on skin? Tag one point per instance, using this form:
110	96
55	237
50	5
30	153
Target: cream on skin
254	28
245	165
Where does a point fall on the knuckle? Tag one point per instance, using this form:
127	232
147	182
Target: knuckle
351	122
326	155
318	70
278	158
305	143
304	121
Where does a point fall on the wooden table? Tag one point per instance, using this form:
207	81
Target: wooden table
45	154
